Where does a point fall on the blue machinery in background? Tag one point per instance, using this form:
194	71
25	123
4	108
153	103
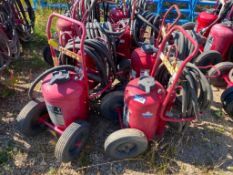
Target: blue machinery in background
187	7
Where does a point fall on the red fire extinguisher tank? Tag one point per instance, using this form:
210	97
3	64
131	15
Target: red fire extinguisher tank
220	38
204	19
67	27
123	48
117	14
142	59
143	97
65	97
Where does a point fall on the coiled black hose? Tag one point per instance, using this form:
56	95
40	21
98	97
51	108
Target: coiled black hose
196	94
184	46
141	22
100	56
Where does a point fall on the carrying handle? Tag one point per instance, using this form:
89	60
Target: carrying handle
176	76
173	7
53	45
164	28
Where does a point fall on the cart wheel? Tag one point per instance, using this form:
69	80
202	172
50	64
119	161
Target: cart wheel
110	103
72	141
125	143
28	118
47	56
210	57
189	26
224	68
227	101
125	67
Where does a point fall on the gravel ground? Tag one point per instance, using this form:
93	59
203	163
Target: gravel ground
205	148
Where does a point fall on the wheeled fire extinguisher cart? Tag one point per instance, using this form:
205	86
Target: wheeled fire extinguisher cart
222	74
212	28
149	103
63	107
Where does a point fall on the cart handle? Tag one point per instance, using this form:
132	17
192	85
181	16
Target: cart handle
163	29
79	56
176	8
176	76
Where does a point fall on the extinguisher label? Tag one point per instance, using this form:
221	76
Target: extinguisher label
55	114
139	99
147	115
209	43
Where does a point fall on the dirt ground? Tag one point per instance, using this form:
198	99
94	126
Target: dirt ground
205	148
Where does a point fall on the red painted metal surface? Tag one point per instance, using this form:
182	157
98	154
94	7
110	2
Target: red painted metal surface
50	125
204	19
221	37
165	26
117	14
69	97
140	61
141	104
82	34
227	80
65	31
124	47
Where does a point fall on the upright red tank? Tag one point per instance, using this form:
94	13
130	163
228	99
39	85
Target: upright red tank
65	97
62	27
220	39
204	19
124	46
143	59
117	14
143	98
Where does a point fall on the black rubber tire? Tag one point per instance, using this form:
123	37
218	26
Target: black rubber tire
227	101
189	26
124	138
28	116
124	65
110	103
66	149
229	108
226	93
210	57
47	56
224	68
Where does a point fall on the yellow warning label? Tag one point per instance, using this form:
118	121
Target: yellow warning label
53	43
163	31
171	67
63	50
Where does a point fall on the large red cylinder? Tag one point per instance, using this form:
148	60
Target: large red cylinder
124	46
220	39
66	101
117	14
142	107
141	61
65	30
204	19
